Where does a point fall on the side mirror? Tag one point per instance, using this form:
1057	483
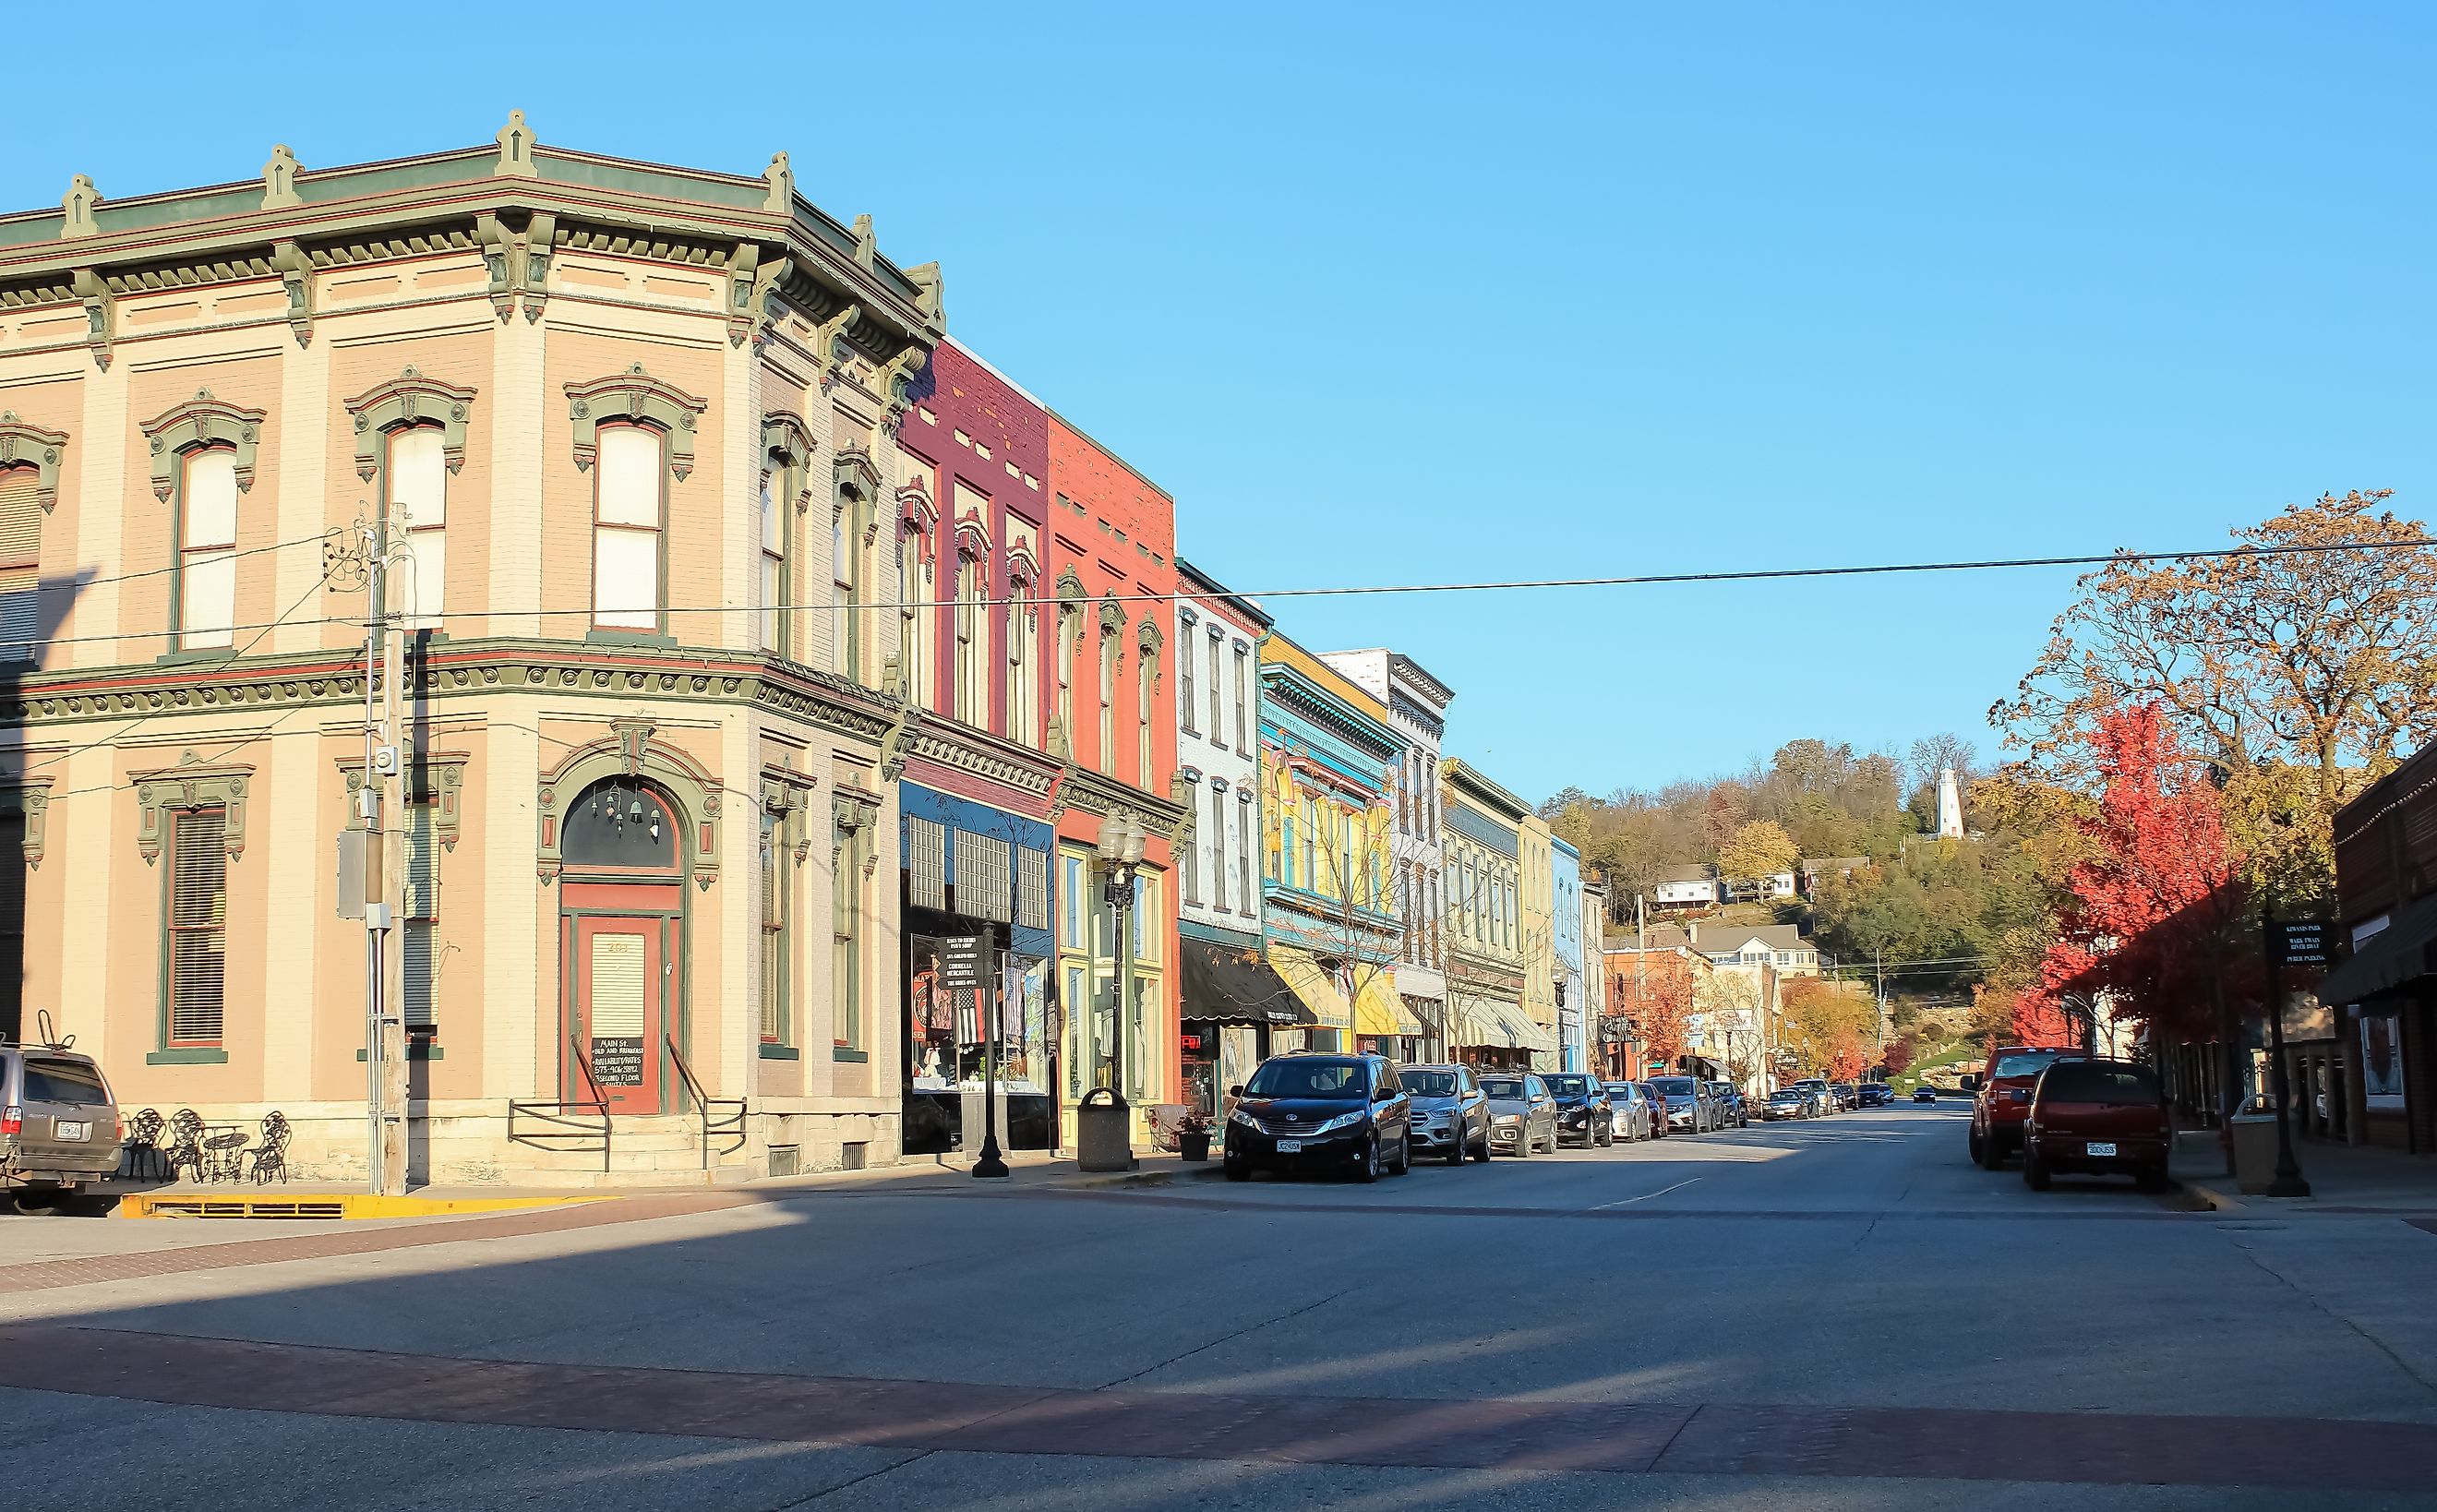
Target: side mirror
1236	1091
1968	1082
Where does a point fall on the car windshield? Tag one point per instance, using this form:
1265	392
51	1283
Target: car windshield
1785	1097
1504	1087
2097	1081
1307	1079
62	1081
1620	1090
1673	1086
1428	1084
1572	1086
2024	1062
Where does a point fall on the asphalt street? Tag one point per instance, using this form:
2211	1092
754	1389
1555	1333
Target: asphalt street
1836	1312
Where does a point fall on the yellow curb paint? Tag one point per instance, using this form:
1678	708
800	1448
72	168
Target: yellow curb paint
332	1204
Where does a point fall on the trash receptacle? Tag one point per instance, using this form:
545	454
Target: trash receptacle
1102	1141
2255	1151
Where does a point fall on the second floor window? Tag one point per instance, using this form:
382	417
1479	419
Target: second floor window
1217	710
207	551
1243	703
198	926
973	644
1145	674
1023	699
1109	703
772	584
418	490
21	541
1184	688
1218	856
626	527
916	590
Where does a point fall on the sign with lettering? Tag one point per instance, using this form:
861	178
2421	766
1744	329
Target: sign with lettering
2302	941
965	963
618	1061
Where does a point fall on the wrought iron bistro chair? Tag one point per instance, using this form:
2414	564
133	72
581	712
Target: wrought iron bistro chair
187	1143
144	1157
271	1153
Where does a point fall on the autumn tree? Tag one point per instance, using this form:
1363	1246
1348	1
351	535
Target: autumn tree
2299	666
1758	849
1898	1055
1821	1020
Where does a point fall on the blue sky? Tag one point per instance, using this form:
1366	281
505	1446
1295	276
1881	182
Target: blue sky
1414	294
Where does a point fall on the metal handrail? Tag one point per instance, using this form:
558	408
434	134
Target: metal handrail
554	1116
726	1123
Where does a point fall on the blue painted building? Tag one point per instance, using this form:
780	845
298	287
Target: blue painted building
1574	989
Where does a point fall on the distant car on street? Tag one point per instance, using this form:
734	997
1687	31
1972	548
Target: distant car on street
1450	1111
1522	1113
2102	1118
1925	1093
1877	1095
1582	1108
1628	1110
1823	1101
1849	1096
2001	1099
1686	1102
1728	1099
1334	1114
1785	1103
1658	1109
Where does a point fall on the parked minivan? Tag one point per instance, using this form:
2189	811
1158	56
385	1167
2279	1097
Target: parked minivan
59	1124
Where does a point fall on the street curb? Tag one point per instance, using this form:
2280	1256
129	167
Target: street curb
2218	1198
1145	1178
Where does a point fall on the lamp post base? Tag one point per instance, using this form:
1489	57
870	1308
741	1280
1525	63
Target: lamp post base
991	1162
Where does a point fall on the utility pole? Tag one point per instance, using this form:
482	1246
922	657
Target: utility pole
369	813
395	798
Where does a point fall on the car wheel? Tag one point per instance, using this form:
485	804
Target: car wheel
1236	1169
2035	1170
1993	1154
1403	1156
1483	1151
1369	1171
1523	1145
1974	1145
2152	1179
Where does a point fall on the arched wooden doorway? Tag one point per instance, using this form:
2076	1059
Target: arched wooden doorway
622	940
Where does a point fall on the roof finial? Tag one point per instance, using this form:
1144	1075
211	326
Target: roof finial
81	199
279	180
782	180
516	149
865	249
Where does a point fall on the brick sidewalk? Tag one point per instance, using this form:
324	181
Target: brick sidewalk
2090	1449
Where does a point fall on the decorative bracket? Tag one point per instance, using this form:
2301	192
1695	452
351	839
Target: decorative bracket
787	441
520	265
437	778
787	793
854	484
191	784
752	293
100	313
826	333
22	443
898	376
635	395
296	276
203	421
409	399
896	742
30	797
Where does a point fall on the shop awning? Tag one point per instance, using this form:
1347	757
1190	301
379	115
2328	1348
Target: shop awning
1378	1009
1481	1024
2395	957
1231	984
1522	1033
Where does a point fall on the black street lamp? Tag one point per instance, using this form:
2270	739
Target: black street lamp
1105	1129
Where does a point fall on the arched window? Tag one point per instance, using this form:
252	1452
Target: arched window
1023	699
1070	636
973	643
619	825
773	582
418	480
627	523
1145	676
21	543
917	593
207	550
1109	700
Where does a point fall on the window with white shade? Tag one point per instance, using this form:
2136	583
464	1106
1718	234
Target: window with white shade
1145	677
418	491
626	530
773	581
916	591
21	541
207	551
972	644
1109	702
1023	699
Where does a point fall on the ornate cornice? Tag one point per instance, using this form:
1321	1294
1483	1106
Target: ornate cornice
22	442
786	442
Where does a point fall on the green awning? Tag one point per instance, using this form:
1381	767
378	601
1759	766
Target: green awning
2394	959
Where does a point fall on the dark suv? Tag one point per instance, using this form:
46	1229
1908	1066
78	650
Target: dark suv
1338	1114
2002	1098
2104	1117
1583	1112
59	1124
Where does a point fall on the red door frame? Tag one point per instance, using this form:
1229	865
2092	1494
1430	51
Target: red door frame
653	909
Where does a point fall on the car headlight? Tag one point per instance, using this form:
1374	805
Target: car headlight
1344	1121
1245	1119
1508	1120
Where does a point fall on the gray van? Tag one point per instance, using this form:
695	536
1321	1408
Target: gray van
59	1124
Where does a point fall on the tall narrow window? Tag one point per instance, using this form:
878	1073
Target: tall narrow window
626	530
773	581
197	954
1310	843
1243	702
1249	895
1070	635
1220	858
1218	694
972	644
1145	676
774	932
21	542
207	551
846	962
1022	699
418	490
916	592
1108	702
1188	863
1185	699
846	636
1286	851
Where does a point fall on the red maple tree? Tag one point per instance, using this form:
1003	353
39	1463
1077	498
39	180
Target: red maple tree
1847	1058
1898	1056
2157	915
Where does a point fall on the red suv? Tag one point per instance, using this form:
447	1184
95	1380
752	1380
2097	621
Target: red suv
2003	1097
2100	1116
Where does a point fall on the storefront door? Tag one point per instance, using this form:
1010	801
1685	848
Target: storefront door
617	976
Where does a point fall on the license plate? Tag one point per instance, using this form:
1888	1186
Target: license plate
78	1133
2100	1149
1292	1146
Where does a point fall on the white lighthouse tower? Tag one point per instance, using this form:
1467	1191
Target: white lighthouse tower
1950	805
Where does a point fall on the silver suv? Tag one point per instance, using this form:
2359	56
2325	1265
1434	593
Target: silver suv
1450	1115
59	1124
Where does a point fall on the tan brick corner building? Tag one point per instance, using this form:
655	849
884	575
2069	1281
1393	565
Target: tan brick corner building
631	423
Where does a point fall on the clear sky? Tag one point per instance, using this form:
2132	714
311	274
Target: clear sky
1410	293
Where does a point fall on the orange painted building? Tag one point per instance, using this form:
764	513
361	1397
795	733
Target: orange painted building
1112	559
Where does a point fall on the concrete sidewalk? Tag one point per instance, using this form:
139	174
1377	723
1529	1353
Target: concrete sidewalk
2343	1178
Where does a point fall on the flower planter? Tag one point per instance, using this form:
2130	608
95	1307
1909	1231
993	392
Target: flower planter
1193	1144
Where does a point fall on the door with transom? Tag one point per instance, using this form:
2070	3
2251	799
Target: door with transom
621	944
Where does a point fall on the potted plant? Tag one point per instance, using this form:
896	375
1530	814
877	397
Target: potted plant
1193	1136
